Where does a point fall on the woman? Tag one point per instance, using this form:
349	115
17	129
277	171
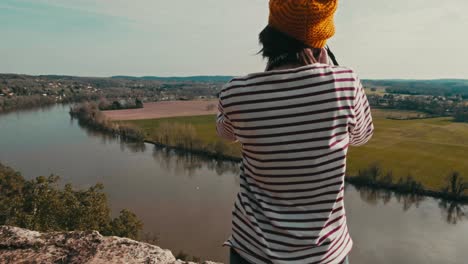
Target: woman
295	122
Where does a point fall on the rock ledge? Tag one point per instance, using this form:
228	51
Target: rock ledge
18	245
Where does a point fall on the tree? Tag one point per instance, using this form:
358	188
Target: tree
11	186
138	103
104	104
456	185
116	105
39	204
461	114
126	224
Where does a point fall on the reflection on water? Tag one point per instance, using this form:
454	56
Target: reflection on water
187	163
133	146
104	137
374	196
185	200
43	108
107	138
453	212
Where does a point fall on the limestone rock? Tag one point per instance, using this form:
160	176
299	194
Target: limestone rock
18	245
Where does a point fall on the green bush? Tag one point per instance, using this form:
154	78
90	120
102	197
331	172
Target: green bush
40	204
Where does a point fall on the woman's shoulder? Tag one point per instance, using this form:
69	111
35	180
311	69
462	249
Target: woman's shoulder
317	67
270	77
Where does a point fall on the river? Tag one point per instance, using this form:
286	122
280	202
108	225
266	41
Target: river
185	201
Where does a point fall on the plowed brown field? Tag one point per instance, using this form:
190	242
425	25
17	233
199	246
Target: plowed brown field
165	109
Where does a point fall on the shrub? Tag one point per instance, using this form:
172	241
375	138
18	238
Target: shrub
39	204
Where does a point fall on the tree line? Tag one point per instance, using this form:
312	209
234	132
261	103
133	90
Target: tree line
455	188
89	115
184	136
461	114
433	106
180	136
105	104
442	87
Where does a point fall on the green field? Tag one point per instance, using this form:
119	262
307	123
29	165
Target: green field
204	125
426	149
377	91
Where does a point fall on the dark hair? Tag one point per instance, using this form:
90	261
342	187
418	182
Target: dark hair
279	49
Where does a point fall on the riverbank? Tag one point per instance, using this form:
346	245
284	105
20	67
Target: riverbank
373	178
197	134
8	105
89	115
428	150
405	186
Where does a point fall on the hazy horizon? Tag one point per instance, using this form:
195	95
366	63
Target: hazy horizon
421	39
222	75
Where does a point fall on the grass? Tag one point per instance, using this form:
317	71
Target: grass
426	149
391	113
378	91
204	125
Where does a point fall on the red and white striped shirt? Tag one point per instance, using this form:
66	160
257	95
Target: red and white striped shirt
295	127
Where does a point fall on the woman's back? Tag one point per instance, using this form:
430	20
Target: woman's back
295	127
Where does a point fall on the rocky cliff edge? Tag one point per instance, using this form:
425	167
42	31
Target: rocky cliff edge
18	245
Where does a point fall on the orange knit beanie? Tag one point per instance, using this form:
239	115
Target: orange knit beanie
310	21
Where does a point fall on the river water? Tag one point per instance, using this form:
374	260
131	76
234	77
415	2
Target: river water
185	201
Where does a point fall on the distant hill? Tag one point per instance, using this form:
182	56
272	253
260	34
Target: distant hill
440	87
390	82
201	78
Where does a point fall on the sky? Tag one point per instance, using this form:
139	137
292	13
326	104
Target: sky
418	39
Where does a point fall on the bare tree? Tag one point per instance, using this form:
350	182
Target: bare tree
456	185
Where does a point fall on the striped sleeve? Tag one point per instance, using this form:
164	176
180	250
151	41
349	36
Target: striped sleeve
362	128
223	125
